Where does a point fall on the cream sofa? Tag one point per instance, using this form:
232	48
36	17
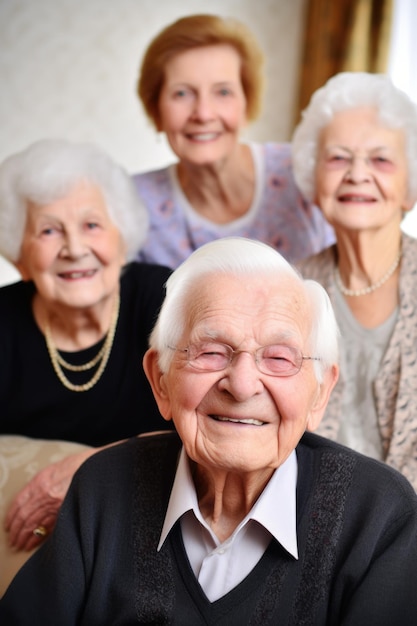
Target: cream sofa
20	459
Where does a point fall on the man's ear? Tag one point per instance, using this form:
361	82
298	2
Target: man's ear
323	395
158	383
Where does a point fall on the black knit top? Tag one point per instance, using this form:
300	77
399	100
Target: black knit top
34	403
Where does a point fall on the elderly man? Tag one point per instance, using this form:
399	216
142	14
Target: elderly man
244	518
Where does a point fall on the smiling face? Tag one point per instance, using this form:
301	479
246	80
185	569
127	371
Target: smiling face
72	250
239	419
202	106
361	172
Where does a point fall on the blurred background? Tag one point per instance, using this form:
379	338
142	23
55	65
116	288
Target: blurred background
68	68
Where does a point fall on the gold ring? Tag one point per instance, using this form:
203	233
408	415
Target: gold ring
40	531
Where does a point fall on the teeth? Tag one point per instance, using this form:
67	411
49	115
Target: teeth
204	136
77	274
252	422
356	199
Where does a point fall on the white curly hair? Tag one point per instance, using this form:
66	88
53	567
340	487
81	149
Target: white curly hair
349	90
50	168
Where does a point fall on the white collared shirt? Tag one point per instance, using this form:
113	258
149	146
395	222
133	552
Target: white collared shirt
219	567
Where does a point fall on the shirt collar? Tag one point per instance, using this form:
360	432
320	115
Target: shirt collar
275	509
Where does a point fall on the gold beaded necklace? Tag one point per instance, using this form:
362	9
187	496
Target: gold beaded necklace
58	362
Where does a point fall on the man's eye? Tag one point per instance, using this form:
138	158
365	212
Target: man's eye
212	353
278	361
279	356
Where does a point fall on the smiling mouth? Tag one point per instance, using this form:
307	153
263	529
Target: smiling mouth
250	422
77	275
346	198
203	137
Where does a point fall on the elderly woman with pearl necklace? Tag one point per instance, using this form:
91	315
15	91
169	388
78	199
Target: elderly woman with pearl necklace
355	156
73	332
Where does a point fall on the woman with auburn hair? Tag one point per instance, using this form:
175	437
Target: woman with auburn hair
201	82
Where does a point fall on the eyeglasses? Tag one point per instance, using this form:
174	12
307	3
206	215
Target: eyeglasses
273	360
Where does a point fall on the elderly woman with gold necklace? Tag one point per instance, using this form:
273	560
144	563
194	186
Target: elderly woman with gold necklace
355	155
73	332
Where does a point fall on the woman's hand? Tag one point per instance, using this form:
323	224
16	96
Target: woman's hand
37	504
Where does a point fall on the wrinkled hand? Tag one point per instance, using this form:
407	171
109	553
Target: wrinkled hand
38	503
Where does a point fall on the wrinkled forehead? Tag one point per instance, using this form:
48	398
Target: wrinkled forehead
263	305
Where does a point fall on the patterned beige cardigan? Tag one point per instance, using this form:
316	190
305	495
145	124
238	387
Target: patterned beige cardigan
395	387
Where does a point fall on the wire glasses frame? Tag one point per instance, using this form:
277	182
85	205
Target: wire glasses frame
274	360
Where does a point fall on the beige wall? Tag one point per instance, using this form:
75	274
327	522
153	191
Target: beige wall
68	68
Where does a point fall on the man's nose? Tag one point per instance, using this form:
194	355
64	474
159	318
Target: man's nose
242	379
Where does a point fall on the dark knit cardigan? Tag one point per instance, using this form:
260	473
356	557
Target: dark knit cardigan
357	539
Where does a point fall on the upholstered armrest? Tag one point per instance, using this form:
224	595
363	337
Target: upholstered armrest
20	459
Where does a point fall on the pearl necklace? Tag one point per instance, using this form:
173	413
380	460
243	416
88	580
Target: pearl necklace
365	290
58	362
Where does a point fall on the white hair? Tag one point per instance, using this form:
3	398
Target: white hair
349	90
236	256
49	169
